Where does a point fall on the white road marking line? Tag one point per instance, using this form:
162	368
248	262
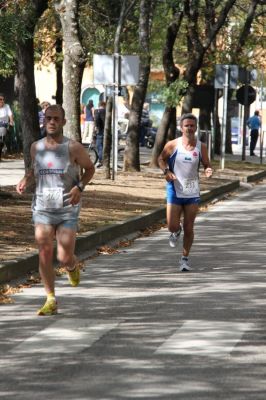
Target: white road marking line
66	336
205	338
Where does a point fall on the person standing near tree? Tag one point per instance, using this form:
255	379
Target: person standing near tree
179	161
99	130
41	115
89	123
6	119
56	164
145	122
254	124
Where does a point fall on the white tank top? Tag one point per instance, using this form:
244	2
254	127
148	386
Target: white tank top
185	165
55	177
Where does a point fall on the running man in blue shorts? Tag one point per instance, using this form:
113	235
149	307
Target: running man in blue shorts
56	165
180	160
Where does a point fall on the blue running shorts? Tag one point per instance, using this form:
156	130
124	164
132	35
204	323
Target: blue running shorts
180	201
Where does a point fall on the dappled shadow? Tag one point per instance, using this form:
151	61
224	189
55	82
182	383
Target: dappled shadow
141	293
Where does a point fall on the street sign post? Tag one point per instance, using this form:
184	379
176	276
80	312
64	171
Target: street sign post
116	71
225	76
224	125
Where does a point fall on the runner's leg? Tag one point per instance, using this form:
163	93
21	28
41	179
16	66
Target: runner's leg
190	212
66	239
44	236
173	215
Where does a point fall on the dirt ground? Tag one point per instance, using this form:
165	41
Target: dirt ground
104	202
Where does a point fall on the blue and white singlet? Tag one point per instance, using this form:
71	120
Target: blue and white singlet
185	165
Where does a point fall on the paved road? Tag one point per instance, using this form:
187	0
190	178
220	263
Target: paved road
136	328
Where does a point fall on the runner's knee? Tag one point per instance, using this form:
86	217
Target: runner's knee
173	226
66	259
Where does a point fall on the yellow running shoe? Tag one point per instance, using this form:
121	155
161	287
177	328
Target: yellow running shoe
74	276
49	307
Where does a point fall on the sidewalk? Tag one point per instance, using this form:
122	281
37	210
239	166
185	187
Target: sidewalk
12	170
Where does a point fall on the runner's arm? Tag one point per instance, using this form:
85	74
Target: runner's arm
163	161
205	160
29	177
81	157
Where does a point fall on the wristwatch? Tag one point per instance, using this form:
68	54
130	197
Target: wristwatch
80	186
166	170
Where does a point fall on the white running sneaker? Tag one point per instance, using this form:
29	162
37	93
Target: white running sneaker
173	238
184	264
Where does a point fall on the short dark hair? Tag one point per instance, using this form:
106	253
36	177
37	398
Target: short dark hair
256	112
56	107
188	116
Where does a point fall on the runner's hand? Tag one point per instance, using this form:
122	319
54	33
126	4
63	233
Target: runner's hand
170	176
75	195
21	186
208	172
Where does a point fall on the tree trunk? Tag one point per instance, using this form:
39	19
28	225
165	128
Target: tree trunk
188	100
171	74
196	46
161	135
74	62
59	72
131	156
27	97
26	84
171	134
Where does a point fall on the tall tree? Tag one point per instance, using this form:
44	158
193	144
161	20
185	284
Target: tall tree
197	45
28	15
74	62
131	156
172	73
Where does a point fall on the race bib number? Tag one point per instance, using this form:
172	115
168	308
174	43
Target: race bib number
191	186
53	197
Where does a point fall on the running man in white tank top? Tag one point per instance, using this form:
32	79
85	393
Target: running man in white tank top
56	164
180	160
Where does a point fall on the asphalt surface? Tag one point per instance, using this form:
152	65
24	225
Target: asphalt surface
137	328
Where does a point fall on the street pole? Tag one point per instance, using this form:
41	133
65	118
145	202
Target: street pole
261	133
214	121
225	96
245	118
116	83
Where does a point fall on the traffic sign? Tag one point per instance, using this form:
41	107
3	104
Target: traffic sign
240	95
220	72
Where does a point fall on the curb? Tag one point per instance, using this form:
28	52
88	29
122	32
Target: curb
88	241
255	177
